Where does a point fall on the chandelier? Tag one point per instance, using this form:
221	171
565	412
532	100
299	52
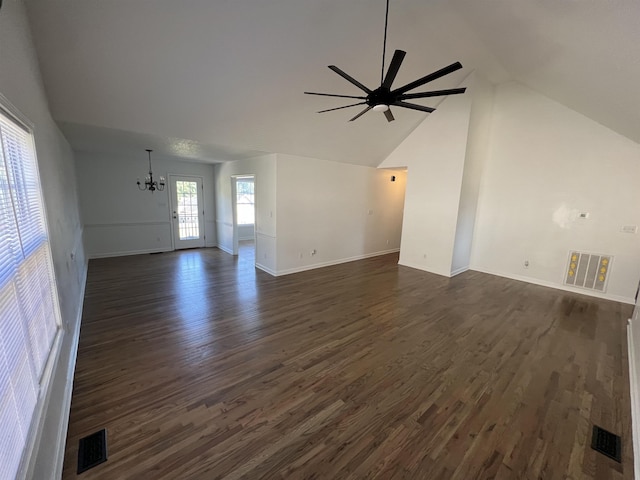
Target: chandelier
149	183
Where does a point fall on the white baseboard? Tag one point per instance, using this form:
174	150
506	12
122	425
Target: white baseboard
421	267
557	286
126	254
635	399
266	269
304	268
460	270
225	249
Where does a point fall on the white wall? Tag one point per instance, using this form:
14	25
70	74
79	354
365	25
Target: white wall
434	154
264	169
21	84
481	92
343	212
245	232
119	219
547	163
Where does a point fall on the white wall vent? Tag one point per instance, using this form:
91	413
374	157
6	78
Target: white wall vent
587	270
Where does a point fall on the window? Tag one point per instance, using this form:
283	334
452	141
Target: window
245	200
29	314
188	211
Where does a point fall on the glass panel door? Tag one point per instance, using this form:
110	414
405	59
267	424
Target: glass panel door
187	212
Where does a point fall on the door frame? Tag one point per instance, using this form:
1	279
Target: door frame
234	212
170	178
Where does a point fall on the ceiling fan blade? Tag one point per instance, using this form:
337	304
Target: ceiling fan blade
333	95
428	78
349	78
340	108
394	66
389	115
361	113
413	106
435	93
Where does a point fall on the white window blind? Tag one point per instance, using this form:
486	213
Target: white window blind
29	315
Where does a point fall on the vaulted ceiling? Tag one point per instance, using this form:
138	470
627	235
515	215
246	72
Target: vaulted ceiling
217	80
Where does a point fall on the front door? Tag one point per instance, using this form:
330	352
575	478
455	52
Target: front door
187	212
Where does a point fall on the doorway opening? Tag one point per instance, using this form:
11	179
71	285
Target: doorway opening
244	224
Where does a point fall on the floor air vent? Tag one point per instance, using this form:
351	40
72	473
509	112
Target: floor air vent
92	450
606	443
586	270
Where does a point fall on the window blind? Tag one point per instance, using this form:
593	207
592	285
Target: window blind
29	315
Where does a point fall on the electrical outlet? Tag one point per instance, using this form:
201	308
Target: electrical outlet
526	264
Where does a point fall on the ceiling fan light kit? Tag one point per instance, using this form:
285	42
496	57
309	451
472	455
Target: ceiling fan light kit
383	97
381	107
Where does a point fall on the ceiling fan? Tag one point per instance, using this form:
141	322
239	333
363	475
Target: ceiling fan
383	97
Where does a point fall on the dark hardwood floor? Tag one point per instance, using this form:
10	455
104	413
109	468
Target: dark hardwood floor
201	367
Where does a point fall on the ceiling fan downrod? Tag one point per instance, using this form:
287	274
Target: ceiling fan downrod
383	97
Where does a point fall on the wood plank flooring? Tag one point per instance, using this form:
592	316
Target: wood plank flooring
201	367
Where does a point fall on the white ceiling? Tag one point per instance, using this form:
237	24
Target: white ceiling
224	78
87	138
584	54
